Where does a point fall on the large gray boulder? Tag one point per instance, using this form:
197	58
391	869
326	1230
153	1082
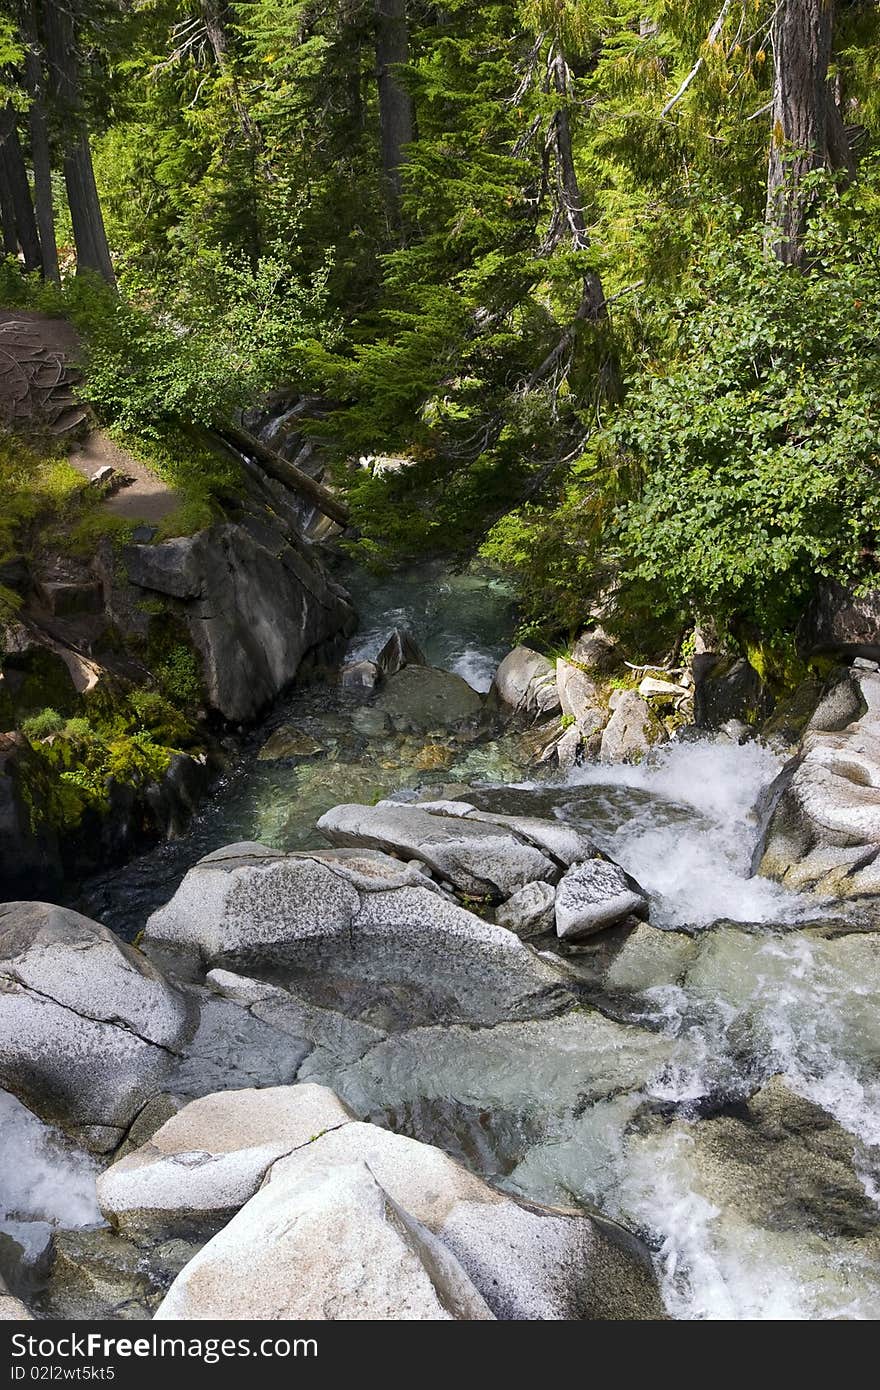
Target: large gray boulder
823	830
527	1261
491	1255
594	895
255	602
477	857
88	1026
632	731
209	1158
376	936
525	683
418	699
556	838
326	1245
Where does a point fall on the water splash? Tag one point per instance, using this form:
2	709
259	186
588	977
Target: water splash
695	865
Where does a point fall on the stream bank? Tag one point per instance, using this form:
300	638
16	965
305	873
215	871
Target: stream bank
686	1079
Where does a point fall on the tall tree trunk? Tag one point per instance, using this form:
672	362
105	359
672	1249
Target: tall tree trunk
807	132
35	79
19	190
7	215
395	103
92	251
593	307
214	19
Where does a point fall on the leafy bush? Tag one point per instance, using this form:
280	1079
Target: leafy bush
743	466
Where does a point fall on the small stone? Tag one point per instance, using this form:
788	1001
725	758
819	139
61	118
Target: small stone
370	722
651	688
594	895
400	650
289	742
528	912
359	677
432	757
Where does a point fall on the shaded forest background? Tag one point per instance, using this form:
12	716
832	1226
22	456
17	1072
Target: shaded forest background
607	275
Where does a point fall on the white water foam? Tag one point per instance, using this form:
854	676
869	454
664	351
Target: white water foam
42	1177
697	869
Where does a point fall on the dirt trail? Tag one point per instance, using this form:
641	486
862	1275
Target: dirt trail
38	377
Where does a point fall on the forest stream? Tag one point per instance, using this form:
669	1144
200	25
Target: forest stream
638	1107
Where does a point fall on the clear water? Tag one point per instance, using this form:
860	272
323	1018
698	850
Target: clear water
462	620
775	995
764	993
44	1182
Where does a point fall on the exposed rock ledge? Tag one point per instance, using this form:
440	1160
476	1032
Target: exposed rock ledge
256	602
823	832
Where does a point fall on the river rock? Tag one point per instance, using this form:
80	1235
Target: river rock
329	1245
88	1026
561	841
255	601
595	650
478	857
380	941
209	1158
728	687
359	677
594	895
579	698
419	699
529	911
97	1274
288	742
11	1308
776	1212
288	1011
649	957
528	1262
823	832
525	682
784	1163
488	1095
400	650
665	692
839	621
632	730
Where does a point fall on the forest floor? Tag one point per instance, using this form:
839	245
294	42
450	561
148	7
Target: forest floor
145	498
39	359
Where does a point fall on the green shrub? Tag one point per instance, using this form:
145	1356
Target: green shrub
42	725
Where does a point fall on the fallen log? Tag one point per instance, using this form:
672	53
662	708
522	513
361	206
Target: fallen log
287	473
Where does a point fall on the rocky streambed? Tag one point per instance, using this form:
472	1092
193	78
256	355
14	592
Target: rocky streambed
451	1019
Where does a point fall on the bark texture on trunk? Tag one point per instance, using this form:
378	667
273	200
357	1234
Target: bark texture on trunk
570	212
92	251
395	103
807	131
18	191
35	78
7	215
